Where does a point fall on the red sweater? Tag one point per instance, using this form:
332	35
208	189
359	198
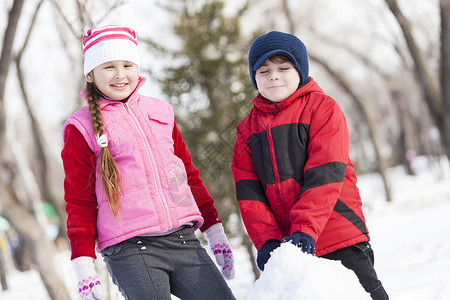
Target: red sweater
81	202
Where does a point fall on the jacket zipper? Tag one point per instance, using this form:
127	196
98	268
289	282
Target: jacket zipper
153	163
275	165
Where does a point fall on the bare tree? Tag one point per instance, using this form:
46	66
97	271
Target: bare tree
436	94
403	116
445	71
346	86
73	18
41	161
5	60
39	248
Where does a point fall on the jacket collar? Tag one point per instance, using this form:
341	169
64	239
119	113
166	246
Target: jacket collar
269	107
133	97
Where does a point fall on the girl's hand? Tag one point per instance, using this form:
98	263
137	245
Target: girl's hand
221	249
89	287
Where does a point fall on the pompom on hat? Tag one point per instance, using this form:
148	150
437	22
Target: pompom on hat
109	43
276	42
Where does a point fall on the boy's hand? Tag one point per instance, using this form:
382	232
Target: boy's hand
303	241
265	251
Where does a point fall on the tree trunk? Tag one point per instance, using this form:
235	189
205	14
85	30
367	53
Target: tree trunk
402	150
5	59
41	162
41	250
3	281
430	90
445	71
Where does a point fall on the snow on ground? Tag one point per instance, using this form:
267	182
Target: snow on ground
409	237
412	255
291	274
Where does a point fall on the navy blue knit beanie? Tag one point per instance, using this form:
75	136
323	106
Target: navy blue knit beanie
275	42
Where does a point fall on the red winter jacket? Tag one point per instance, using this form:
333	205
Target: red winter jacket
293	173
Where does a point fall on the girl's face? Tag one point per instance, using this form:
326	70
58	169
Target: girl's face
115	79
277	80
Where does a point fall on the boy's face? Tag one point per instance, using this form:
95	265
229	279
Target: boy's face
276	81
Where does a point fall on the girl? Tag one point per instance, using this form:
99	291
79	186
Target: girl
131	187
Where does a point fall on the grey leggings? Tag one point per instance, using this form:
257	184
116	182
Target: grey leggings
154	267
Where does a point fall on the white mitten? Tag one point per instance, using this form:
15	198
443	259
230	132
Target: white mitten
89	287
221	249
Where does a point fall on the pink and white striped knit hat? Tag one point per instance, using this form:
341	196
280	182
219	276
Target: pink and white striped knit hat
109	43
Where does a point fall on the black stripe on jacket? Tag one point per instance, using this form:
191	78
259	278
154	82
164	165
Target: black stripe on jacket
251	190
327	173
345	211
289	142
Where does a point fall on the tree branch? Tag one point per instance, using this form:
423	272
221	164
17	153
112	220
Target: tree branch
431	92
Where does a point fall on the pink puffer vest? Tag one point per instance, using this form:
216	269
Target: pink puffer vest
155	195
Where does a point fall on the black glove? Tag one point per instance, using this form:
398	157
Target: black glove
264	252
302	240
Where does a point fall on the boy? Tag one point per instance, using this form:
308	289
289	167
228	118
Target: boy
294	179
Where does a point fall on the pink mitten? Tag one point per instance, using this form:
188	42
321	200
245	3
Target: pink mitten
221	249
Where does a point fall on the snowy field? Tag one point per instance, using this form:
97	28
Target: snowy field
409	237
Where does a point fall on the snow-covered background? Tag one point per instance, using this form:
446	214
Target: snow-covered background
409	237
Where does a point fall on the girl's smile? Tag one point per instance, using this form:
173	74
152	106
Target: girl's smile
115	79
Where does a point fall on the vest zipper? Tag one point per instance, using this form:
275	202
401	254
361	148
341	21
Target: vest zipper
128	109
153	163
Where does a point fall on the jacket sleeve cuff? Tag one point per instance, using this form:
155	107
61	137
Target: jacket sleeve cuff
210	216
82	244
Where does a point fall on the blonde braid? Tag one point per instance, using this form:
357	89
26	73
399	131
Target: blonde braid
110	172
